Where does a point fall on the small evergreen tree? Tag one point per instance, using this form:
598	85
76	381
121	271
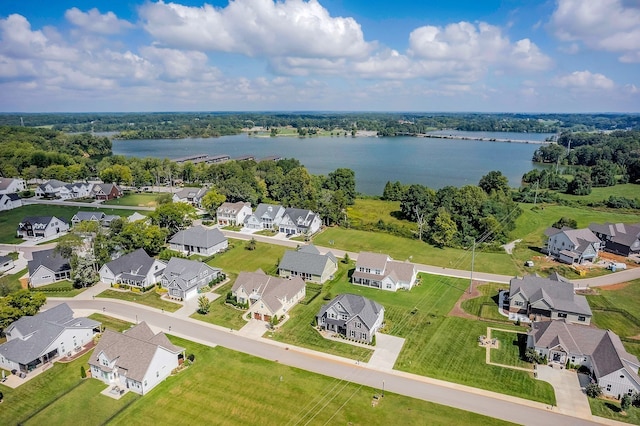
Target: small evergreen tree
204	305
83	372
346	259
625	402
593	390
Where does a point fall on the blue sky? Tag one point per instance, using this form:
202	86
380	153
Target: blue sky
311	55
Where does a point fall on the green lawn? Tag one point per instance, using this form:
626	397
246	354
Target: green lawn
11	282
402	248
66	287
510	349
486	305
221	314
150	298
237	258
611	410
628	190
136	200
26	400
82	405
367	211
9	219
226	387
111	323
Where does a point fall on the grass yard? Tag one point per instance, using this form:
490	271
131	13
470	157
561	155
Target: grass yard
82	405
226	387
25	401
611	410
136	200
368	211
402	248
111	323
511	349
150	298
12	282
237	258
60	289
627	190
486	305
221	314
9	219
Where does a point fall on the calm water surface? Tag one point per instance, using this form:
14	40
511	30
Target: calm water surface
432	162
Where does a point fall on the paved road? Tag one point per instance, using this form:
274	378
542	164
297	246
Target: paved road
488	403
84	205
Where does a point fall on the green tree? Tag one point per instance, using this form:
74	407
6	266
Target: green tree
593	390
212	200
580	185
20	303
346	258
164	198
204	305
251	244
119	174
443	229
83	372
494	181
68	245
149	237
173	216
625	402
84	274
604	173
345	180
565	222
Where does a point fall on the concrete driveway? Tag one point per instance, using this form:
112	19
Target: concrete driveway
254	329
386	351
570	399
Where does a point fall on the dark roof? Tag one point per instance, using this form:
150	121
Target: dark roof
4	259
301	217
366	309
183	271
620	233
81	216
13	196
50	259
559	295
44	328
137	263
55	183
308	259
199	236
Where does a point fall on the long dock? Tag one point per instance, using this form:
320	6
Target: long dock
478	138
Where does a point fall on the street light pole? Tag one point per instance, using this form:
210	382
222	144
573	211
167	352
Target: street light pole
383	388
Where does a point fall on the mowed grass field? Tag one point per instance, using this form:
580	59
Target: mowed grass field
9	219
136	200
150	298
226	387
627	190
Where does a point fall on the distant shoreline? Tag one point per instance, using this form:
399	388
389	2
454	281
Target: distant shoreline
478	138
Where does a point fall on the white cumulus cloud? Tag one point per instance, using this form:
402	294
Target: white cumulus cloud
584	80
607	25
96	22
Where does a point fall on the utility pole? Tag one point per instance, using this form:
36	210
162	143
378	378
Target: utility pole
473	259
535	198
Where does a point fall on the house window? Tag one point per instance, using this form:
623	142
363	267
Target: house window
344	317
388	286
105	362
562	315
519	303
364	336
582	318
609	388
358	325
353	333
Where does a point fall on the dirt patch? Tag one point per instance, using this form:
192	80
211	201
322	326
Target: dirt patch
457	310
619	286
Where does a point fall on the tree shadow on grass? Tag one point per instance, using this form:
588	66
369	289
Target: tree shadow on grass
612	407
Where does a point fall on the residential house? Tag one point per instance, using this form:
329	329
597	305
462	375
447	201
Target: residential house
233	214
41	227
551	298
48	267
199	240
108	218
266	216
351	316
35	340
6	263
183	278
12	185
87	216
51	189
136	217
106	191
136	269
308	264
572	245
618	238
76	190
268	296
380	271
601	351
137	359
299	221
10	201
192	196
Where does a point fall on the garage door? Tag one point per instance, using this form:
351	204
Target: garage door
267	318
257	315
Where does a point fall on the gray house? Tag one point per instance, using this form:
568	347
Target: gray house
601	351
41	227
308	264
183	278
266	216
87	216
552	298
572	245
136	269
192	196
48	267
353	317
299	221
36	340
618	238
199	240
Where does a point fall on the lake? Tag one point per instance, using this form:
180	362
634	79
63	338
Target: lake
432	162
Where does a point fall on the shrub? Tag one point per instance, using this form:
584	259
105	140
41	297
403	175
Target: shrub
625	402
83	372
191	357
593	390
136	290
1	396
635	399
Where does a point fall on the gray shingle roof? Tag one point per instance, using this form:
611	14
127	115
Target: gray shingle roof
44	328
603	346
137	262
620	233
5	182
82	216
199	236
267	210
308	260
132	350
270	289
194	193
301	217
182	271
54	183
368	310
558	294
50	260
372	260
